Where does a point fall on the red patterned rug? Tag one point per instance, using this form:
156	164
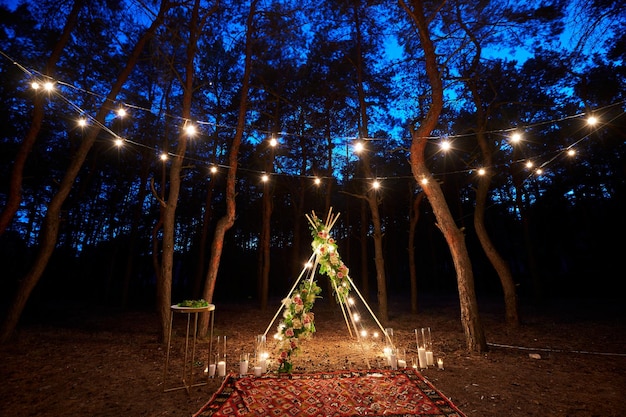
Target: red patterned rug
339	394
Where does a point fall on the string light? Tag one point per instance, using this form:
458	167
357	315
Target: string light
190	130
163	157
49	85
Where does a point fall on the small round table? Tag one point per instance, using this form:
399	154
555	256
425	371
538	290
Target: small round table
187	382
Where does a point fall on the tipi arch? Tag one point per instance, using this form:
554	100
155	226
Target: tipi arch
298	322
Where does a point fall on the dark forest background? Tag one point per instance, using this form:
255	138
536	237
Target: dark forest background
544	69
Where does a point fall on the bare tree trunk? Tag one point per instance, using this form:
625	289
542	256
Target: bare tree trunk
227	221
371	195
265	245
365	274
17	171
413	218
204	237
470	319
50	227
498	263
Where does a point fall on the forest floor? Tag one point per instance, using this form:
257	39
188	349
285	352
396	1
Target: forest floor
101	363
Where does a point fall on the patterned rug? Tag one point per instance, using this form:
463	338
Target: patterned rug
339	394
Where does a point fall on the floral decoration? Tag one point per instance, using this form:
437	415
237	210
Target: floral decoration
297	324
329	260
298	320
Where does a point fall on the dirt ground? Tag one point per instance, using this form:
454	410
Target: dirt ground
94	363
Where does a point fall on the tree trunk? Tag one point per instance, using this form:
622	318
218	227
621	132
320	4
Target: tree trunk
227	221
371	194
50	227
470	319
498	263
17	171
413	218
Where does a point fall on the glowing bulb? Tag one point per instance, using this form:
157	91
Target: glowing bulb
49	86
273	142
351	301
363	333
356	317
592	120
424	181
529	164
119	142
571	152
317	181
265	178
539	171
163	157
121	112
376	184
445	145
213	169
358	147
308	265
190	130
482	171
516	137
82	122
35	85
375	334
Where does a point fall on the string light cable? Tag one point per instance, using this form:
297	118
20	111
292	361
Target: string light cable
445	139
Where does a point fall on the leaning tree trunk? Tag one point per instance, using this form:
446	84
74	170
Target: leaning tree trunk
17	171
470	319
52	220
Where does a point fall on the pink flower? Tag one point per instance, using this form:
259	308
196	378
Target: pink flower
289	332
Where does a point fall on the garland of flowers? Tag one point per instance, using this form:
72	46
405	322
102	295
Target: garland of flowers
298	323
298	320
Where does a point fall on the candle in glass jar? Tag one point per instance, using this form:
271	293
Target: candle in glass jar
257	371
401	363
211	370
440	363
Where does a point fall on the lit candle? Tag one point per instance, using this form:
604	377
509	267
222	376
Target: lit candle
221	368
257	371
440	363
211	370
430	359
401	363
421	354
